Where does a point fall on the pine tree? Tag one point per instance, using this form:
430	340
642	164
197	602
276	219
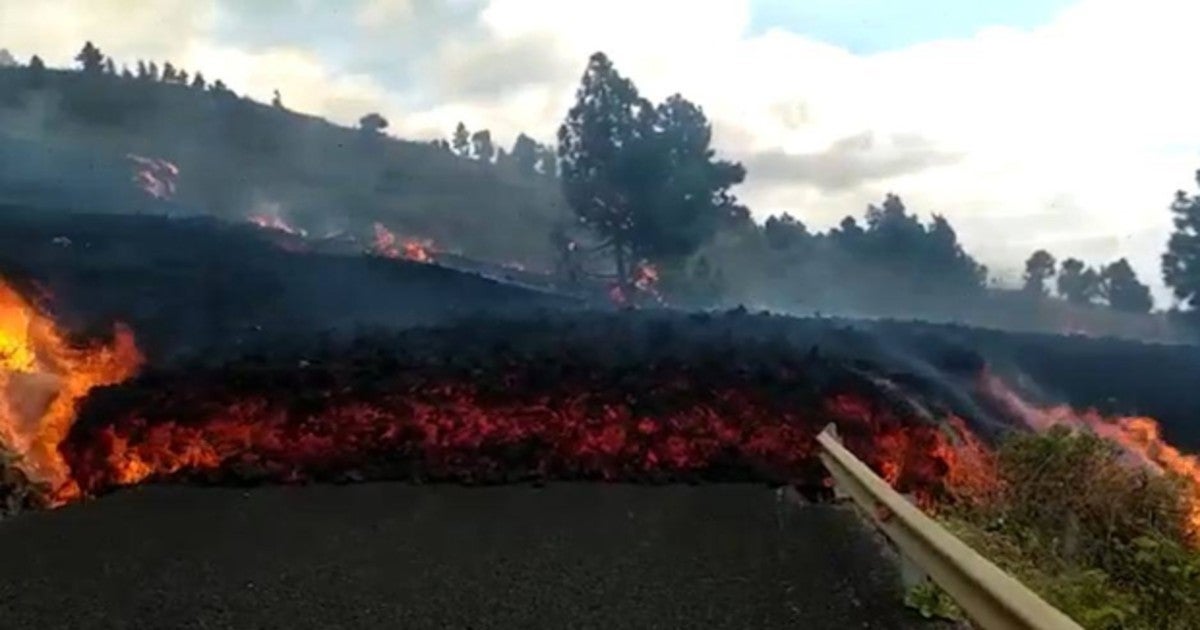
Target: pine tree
1038	269
1181	262
90	59
462	140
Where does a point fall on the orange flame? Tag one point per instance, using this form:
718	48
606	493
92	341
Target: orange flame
155	176
42	376
388	245
1139	436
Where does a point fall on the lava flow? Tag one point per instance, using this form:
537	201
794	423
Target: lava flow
42	378
1139	436
381	418
388	245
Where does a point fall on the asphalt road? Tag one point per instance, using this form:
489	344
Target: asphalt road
403	556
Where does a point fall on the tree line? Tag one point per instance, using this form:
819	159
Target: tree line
646	187
645	181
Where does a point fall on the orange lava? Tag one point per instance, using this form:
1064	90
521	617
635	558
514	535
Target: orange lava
42	377
1140	436
388	245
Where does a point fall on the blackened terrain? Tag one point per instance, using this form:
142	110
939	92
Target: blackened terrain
192	286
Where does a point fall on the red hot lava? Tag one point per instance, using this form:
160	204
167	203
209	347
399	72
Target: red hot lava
571	422
388	245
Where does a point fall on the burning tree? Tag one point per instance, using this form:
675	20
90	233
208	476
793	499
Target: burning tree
642	177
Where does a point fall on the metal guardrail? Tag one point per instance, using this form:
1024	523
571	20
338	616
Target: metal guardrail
991	598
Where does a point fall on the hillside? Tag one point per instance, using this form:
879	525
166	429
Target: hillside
64	138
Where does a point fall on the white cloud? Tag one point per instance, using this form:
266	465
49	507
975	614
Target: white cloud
375	14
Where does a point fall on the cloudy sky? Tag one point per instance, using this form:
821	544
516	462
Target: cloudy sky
1058	124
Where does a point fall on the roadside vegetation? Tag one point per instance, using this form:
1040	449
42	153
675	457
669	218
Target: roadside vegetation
1101	538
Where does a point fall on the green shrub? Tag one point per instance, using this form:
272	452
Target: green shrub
1101	538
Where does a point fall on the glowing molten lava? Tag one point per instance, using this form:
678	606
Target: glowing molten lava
1139	436
155	176
388	245
644	281
531	419
42	377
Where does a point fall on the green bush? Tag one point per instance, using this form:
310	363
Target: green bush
1101	538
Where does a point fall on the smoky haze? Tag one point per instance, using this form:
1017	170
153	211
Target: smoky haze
78	141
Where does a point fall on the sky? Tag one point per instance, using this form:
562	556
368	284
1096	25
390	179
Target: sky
1057	124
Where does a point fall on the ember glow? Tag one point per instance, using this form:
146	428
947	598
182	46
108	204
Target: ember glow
644	282
42	377
1139	436
155	176
388	245
412	425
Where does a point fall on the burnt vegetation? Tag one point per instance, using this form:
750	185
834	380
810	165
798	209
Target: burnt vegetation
628	183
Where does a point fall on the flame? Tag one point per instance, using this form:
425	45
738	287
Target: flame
585	423
644	281
1140	437
42	377
155	176
275	222
388	245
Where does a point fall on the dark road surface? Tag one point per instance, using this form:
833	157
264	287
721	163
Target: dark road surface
403	556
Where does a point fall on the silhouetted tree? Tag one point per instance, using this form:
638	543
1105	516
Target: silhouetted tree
37	71
1039	268
547	161
785	232
642	177
525	153
182	78
198	82
125	73
462	140
1078	283
372	123
142	71
152	71
218	87
501	156
168	73
109	66
90	58
1181	262
277	100
1119	286
481	145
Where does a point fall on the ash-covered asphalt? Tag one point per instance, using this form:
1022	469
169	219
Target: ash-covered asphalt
392	555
